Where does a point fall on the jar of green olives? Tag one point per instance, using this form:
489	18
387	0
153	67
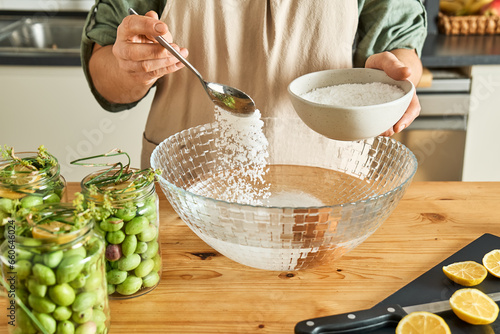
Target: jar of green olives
27	179
126	212
54	272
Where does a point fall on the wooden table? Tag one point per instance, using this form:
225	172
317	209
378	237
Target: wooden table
202	291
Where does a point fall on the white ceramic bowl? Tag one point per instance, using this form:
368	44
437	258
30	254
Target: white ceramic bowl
348	123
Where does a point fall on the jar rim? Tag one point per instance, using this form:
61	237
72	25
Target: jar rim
46	173
122	194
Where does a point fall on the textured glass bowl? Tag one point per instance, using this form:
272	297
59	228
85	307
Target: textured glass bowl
289	237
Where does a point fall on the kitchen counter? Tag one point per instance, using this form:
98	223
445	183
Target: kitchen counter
455	51
204	292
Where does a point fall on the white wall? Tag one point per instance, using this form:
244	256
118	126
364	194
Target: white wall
482	151
53	106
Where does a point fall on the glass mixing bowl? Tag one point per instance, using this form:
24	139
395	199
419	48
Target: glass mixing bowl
321	198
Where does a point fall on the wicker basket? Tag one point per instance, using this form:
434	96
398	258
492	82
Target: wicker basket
468	25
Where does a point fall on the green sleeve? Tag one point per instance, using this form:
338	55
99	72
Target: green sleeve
385	25
100	27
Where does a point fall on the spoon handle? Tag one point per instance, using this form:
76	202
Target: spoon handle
163	42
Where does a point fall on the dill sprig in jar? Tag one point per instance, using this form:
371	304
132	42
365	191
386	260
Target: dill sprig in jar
125	205
27	179
54	271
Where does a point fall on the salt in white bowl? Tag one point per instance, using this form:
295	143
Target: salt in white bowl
348	123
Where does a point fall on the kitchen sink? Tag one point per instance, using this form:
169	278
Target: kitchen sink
41	35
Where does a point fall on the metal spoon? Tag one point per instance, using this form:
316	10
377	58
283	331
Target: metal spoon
229	98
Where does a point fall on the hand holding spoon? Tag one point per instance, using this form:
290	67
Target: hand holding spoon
228	98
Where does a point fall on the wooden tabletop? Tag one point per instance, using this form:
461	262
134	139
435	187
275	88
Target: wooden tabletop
202	291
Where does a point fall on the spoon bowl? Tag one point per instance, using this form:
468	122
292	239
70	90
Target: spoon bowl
226	97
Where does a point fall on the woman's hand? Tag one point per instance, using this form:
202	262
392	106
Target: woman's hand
125	71
400	64
139	54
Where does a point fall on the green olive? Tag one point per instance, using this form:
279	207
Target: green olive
65	327
87	328
151	279
48	322
94	281
52	198
157	261
128	263
83	301
41	304
76	251
111	224
129	245
136	225
127	213
23	321
78	282
111	289
44	274
31	201
148	234
62	294
53	259
98	316
115	238
35	288
141	247
149	209
130	286
69	268
116	276
152	250
6	205
62	313
83	316
23	269
144	268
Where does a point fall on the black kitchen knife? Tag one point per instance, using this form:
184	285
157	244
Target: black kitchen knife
371	319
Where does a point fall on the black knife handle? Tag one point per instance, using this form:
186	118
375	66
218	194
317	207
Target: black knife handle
354	322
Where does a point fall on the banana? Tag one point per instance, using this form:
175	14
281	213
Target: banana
451	7
477	5
462	7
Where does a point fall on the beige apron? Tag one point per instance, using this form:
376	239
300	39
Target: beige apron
258	46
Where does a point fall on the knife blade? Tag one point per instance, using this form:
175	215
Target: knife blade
370	319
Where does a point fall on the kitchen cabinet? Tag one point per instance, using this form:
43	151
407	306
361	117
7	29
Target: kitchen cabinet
53	106
482	150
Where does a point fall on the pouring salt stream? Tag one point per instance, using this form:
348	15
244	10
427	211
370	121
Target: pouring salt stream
248	178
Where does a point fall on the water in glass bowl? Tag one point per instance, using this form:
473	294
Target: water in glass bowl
285	186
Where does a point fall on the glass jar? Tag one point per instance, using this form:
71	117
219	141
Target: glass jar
127	215
22	188
54	272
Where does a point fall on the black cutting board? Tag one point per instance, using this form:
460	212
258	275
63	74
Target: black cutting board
435	286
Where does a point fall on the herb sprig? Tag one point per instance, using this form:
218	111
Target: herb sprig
117	173
43	160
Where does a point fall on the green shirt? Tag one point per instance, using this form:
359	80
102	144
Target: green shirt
383	25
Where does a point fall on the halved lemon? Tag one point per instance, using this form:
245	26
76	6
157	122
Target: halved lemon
49	230
422	323
6	193
466	273
491	261
24	175
474	307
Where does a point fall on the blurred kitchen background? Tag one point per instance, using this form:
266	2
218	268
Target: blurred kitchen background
45	100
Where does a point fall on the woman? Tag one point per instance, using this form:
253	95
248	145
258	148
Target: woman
258	46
